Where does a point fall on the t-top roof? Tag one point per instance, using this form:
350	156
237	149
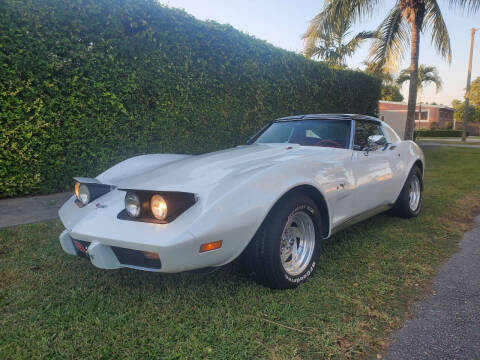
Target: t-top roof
328	117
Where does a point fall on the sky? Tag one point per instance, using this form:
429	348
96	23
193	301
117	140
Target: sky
282	23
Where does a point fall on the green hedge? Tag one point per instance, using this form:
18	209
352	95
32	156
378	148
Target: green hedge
85	84
438	133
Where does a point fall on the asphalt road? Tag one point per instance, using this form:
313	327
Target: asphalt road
447	325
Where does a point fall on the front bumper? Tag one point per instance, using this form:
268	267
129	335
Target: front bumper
109	257
111	243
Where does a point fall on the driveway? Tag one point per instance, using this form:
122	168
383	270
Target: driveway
24	210
447	325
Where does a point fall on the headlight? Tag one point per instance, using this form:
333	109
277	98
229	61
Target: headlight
87	190
158	205
82	193
133	206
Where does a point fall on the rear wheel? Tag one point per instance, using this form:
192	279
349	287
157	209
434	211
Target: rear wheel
409	202
285	250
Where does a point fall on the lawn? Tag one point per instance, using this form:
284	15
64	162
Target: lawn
53	305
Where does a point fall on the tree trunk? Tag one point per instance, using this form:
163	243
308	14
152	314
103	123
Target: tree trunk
412	91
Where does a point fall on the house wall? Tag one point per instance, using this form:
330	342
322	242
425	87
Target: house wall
436	114
395	119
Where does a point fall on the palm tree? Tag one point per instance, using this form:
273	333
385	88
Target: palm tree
426	75
333	48
402	27
381	72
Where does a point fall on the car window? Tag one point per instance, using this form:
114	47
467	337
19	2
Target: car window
390	134
364	129
322	133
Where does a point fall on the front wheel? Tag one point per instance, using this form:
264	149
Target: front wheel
409	201
285	250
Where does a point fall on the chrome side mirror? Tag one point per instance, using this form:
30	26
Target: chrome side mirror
375	141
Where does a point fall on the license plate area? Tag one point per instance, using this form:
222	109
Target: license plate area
81	248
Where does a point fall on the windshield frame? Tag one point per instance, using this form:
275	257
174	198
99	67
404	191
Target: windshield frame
254	138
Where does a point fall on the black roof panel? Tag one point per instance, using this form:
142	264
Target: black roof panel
328	117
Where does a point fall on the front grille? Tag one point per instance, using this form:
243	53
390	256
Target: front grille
135	258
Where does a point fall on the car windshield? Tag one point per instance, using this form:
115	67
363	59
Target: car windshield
325	133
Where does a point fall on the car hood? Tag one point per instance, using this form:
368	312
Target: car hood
192	173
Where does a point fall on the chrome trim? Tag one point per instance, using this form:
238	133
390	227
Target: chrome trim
85	180
297	243
352	133
414	193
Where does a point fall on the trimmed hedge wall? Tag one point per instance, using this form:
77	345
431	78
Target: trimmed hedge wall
438	133
85	84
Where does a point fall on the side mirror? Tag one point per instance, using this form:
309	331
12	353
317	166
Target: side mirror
376	140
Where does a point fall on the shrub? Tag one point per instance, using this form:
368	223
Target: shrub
85	84
438	133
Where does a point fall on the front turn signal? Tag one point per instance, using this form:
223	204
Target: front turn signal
211	246
151	255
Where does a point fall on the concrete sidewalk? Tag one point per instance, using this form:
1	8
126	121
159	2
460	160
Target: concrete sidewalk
434	144
447	325
470	139
25	210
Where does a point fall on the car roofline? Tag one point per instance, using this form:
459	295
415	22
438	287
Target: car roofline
328	117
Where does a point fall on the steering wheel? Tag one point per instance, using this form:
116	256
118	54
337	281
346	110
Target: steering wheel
328	143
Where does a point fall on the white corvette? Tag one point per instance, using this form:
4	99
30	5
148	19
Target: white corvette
271	202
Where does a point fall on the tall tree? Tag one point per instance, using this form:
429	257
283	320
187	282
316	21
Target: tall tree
400	29
475	92
334	47
426	75
389	91
381	72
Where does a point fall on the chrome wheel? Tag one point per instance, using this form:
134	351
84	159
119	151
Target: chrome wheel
297	243
414	193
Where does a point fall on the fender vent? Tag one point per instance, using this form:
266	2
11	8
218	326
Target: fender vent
135	258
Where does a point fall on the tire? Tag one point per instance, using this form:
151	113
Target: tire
407	206
263	257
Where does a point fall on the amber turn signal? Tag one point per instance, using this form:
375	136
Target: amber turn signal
211	246
151	255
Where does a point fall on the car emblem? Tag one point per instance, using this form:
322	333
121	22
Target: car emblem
100	206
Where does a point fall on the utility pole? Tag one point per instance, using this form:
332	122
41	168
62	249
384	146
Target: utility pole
467	92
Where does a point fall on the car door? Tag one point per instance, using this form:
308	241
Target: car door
372	169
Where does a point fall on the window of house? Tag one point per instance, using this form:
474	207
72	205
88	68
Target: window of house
424	115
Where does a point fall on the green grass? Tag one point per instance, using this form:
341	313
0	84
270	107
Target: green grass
53	305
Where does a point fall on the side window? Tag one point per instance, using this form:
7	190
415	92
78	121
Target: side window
364	129
390	134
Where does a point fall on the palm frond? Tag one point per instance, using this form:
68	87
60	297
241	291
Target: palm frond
434	20
403	77
355	42
430	79
429	75
392	39
471	6
336	12
426	75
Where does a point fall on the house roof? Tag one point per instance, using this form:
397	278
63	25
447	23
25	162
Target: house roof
423	105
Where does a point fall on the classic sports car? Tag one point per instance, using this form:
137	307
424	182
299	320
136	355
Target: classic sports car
271	203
